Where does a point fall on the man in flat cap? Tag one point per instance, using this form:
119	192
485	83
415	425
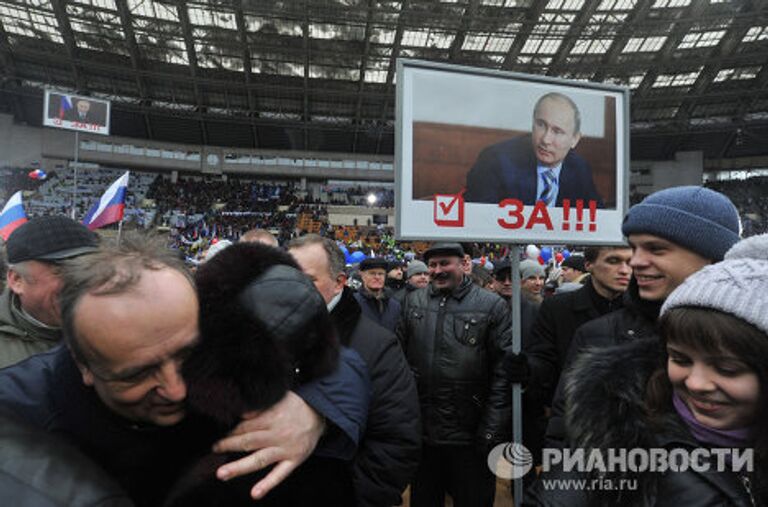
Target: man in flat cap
454	335
30	319
374	298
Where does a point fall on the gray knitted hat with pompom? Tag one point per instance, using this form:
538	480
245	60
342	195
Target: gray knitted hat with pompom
738	285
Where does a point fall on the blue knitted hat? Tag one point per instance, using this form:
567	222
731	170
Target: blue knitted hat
699	219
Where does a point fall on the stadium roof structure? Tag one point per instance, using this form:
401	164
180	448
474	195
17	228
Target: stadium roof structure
320	74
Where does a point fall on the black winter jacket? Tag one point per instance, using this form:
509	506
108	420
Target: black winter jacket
389	451
455	344
558	319
39	470
635	321
399	294
605	410
384	312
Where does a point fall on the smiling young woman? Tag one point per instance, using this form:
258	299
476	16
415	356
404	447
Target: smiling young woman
702	387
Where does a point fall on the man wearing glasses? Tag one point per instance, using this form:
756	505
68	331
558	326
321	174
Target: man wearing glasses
374	298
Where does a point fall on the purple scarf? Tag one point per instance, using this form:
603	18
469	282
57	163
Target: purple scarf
738	438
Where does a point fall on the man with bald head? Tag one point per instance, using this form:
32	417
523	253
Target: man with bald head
134	364
130	318
539	167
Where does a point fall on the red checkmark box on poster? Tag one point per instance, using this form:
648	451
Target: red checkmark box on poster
449	210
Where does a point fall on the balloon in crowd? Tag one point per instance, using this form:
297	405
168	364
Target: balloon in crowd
37	174
532	252
356	257
546	254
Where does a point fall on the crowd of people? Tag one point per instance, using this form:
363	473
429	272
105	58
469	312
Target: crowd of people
199	195
751	198
274	370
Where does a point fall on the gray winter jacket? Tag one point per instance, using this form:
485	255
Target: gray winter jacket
20	337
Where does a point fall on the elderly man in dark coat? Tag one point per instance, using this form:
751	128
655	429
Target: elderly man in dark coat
389	454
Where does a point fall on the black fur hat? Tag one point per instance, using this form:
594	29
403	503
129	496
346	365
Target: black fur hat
264	329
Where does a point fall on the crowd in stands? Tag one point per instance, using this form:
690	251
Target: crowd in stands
54	195
751	198
200	195
198	210
13	180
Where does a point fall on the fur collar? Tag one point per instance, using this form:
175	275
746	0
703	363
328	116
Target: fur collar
345	316
604	394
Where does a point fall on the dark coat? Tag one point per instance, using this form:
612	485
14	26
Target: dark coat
383	311
389	453
508	170
604	396
399	294
635	321
556	323
40	470
455	344
90	117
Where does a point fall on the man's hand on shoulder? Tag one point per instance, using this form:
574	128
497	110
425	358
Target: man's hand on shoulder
286	434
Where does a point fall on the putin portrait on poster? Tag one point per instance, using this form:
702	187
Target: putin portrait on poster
541	166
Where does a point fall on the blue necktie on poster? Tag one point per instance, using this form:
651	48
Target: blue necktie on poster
548	193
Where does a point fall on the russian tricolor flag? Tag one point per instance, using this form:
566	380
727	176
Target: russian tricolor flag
65	104
12	215
109	209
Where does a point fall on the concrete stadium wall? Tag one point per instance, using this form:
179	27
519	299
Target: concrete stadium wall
346	215
22	146
650	176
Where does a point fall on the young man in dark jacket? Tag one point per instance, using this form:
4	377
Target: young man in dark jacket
560	315
389	453
454	335
673	234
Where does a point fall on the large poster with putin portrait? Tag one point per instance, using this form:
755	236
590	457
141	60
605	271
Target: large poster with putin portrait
488	155
73	112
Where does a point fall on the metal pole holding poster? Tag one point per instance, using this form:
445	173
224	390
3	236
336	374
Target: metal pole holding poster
119	231
517	340
74	184
79	113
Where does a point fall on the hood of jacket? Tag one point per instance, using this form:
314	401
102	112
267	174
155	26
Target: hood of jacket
264	329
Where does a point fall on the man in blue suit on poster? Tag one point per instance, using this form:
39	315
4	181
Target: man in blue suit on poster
539	167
